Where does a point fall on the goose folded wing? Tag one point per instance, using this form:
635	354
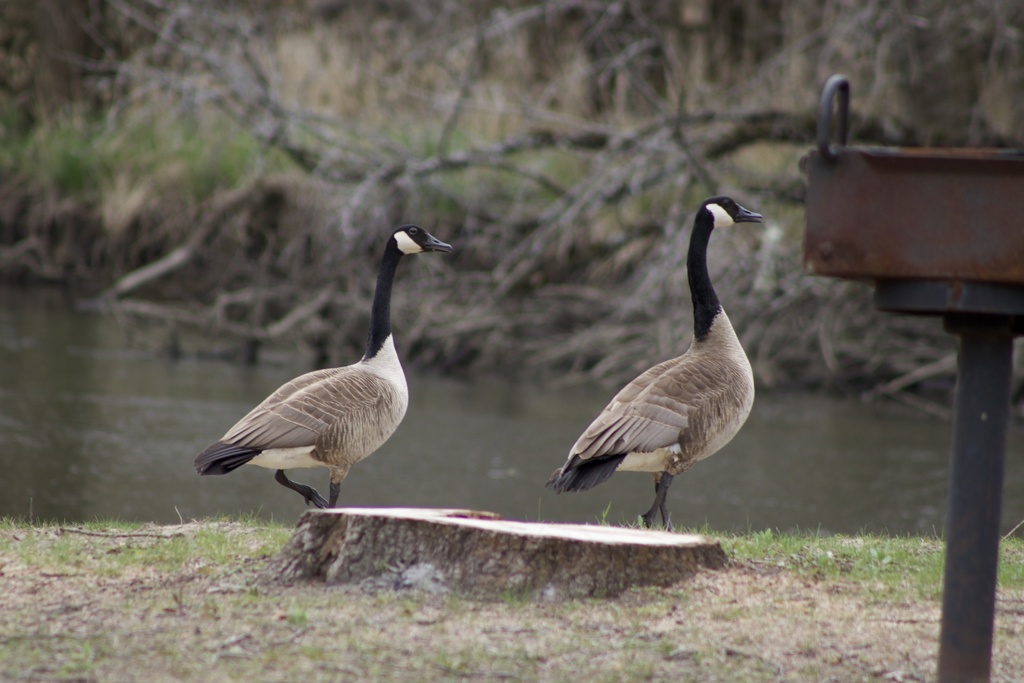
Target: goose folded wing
299	384
651	412
632	429
303	416
644	383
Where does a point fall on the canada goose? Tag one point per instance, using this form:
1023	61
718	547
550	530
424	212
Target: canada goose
335	417
682	410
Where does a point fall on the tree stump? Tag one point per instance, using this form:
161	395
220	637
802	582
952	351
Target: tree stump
478	553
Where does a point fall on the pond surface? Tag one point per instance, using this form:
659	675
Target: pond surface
93	428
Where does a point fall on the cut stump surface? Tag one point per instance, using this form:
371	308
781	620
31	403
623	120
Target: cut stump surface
479	553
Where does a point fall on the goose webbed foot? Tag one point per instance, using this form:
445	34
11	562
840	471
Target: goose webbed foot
659	504
335	490
307	492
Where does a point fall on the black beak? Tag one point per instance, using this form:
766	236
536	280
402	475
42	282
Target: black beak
745	216
434	244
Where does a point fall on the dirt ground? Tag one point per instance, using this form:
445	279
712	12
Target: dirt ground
183	603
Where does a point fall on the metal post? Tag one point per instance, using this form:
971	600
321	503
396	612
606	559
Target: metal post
975	497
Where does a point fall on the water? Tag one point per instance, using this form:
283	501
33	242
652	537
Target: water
92	428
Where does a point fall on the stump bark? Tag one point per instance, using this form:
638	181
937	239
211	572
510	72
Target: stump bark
480	554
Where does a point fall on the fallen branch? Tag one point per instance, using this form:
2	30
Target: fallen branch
178	257
924	405
152	271
300	313
939	367
207	318
102	534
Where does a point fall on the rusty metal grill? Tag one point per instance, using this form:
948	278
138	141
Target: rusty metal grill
938	232
884	213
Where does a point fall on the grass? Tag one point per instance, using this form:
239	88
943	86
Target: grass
105	600
132	546
523	186
192	156
83	156
898	566
894	567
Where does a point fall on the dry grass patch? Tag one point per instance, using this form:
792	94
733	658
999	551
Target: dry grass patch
107	601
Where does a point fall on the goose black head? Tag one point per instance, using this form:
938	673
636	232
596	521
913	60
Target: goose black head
725	211
412	239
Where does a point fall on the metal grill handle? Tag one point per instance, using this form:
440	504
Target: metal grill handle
834	84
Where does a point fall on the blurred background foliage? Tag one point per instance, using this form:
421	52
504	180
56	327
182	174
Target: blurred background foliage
249	156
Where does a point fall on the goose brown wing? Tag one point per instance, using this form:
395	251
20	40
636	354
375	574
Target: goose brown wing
648	413
294	386
302	410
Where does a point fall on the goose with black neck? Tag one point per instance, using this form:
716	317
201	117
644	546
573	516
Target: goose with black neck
682	410
334	417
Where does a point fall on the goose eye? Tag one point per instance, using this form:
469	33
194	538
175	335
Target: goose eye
413	231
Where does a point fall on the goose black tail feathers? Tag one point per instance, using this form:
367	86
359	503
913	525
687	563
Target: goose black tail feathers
221	458
581	475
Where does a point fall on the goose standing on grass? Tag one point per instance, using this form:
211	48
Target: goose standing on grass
682	410
335	417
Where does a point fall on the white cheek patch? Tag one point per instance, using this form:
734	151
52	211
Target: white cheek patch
406	245
721	216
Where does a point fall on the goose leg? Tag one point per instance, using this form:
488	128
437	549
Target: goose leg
307	492
335	490
664	480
